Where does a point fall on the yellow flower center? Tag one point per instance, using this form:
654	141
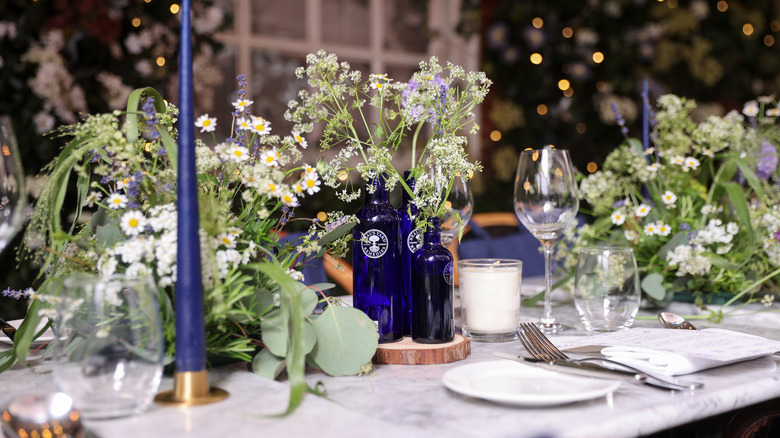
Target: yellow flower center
133	222
310	183
238	153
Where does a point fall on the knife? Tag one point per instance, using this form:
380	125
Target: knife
8	329
592	370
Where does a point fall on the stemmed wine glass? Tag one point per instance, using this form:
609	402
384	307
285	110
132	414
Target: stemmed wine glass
12	194
546	202
460	201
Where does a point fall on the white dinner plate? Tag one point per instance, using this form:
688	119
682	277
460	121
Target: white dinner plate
47	336
525	385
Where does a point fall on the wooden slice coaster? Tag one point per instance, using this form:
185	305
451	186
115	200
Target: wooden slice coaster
407	352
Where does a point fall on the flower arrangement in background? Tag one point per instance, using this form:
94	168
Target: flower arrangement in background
699	207
436	103
257	307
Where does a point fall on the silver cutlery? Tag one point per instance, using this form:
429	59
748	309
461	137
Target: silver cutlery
674	321
8	329
540	348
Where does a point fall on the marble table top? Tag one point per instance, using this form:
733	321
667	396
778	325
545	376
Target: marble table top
398	400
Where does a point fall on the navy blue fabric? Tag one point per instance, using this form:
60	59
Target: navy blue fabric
522	245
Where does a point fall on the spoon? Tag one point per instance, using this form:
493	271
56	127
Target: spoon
43	415
674	321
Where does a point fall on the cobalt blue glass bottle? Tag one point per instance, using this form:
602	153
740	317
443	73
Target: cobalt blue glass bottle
432	299
411	241
376	263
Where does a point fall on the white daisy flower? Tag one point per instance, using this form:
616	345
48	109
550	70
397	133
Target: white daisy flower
206	123
261	125
690	163
117	201
708	153
643	210
309	170
273	189
243	124
241	104
654	167
663	229
618	218
630	235
651	229
649	151
227	239
750	109
773	112
297	188
311	185
378	81
669	198
238	153
677	159
299	138
92	198
133	222
123	183
289	199
270	158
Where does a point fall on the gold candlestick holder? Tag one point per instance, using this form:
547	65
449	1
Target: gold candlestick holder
191	388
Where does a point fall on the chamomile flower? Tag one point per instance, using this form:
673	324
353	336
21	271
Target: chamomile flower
378	81
679	160
289	199
117	201
297	188
773	112
241	104
311	184
750	109
630	235
272	188
133	222
206	123
642	210
244	124
669	198
654	167
270	158
92	198
651	229
297	135
261	125
227	240
690	164
618	218
123	183
309	170
708	153
663	229
237	153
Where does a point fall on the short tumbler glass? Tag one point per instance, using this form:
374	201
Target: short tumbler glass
490	298
109	344
606	288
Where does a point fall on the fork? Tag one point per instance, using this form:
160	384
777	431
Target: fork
540	348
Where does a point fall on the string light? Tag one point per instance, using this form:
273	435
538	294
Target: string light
541	109
598	57
747	29
174	9
160	61
537	22
495	135
567	32
536	58
564	84
723	5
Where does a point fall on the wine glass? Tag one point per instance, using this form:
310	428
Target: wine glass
460	201
12	194
546	202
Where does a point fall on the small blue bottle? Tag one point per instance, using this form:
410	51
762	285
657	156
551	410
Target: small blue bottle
376	263
411	241
432	299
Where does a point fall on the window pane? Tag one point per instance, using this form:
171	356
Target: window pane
346	22
273	85
281	19
406	25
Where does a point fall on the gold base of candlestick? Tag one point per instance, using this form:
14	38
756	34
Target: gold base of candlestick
191	388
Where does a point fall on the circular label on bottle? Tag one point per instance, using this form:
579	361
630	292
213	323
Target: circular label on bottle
415	241
449	272
374	243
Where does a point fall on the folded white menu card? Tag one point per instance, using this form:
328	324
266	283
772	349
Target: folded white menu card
673	352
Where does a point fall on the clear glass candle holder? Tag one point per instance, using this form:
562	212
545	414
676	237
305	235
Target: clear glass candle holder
490	298
606	288
109	344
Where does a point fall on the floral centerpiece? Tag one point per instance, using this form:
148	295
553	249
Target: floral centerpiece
258	308
699	207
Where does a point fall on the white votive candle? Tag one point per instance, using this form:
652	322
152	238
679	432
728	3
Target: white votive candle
490	298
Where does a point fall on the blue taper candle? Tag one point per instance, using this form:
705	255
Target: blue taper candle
645	116
190	320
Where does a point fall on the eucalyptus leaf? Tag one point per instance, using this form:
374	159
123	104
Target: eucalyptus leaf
346	340
309	299
108	236
334	235
267	365
678	239
720	262
653	286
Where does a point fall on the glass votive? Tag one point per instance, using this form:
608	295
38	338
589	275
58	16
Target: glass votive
490	298
606	288
109	344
